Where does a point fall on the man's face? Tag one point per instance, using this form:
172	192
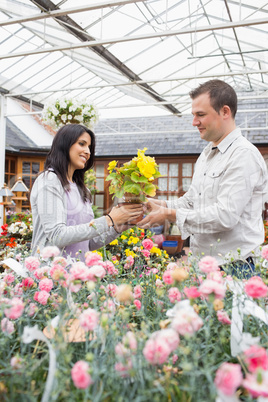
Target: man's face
209	123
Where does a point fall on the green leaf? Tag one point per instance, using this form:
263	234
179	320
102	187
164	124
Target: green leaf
138	179
110	176
133	188
149	189
135	177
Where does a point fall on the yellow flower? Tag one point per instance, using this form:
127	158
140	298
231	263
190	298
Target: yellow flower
133	240
114	242
128	252
112	165
123	237
156	250
146	164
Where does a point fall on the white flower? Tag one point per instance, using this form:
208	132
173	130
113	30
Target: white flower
59	112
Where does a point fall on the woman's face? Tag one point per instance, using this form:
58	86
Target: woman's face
79	153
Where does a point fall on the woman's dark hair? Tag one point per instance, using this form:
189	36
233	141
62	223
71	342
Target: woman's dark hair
58	157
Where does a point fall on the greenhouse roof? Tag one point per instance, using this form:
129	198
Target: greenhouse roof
132	57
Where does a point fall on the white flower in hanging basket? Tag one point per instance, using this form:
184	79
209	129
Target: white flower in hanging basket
61	111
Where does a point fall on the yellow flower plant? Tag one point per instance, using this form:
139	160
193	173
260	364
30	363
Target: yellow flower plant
134	177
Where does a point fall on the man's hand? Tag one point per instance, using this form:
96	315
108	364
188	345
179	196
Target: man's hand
157	216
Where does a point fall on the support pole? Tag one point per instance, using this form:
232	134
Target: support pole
3	105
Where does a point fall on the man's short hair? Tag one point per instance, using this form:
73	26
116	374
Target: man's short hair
220	94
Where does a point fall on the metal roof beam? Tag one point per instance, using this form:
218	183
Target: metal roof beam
57	13
72	27
121	84
92	43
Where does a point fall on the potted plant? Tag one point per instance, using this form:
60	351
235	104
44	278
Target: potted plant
61	111
133	181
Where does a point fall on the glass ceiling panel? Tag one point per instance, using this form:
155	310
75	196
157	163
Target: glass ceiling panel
177	44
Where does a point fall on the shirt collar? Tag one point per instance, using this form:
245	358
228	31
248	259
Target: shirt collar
228	140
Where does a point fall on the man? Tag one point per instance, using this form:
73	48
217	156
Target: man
222	210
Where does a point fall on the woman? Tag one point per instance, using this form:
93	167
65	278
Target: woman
61	203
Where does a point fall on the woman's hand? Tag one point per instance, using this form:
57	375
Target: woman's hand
125	214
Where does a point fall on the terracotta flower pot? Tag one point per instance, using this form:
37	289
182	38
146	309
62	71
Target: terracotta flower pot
131	199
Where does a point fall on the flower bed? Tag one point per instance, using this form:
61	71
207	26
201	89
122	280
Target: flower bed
131	324
16	234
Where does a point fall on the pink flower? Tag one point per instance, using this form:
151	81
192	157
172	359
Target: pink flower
40	273
32	309
137	304
75	287
7	326
95	272
78	270
27	283
192	292
121	350
9	278
89	319
130	341
146	253
147	244
109	305
80	375
159	283
174	359
223	317
31	263
172	266
58	273
50	251
137	292
210	287
129	262
174	295
92	258
41	297
123	369
167	277
186	322
264	252
228	378
16	362
111	289
15	310
156	351
208	264
109	267
46	284
18	290
255	287
256	357
257	384
216	276
60	261
170	336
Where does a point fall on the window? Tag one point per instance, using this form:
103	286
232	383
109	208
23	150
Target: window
176	180
99	197
10	171
28	169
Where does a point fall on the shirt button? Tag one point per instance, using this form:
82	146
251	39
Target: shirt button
204	174
199	193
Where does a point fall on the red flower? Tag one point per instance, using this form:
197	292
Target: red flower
11	243
4	228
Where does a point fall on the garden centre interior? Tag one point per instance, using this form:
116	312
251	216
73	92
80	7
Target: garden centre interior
134	62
